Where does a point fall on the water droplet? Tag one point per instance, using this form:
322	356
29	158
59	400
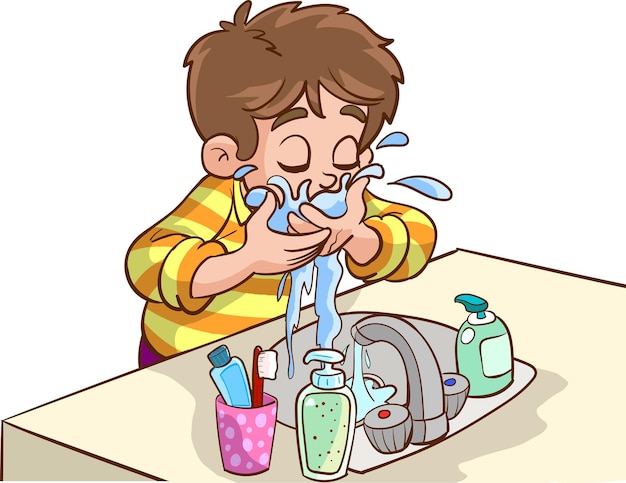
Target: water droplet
345	352
368	362
244	170
394	139
431	187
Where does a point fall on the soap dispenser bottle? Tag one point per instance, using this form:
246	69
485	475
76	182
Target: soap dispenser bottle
325	419
484	350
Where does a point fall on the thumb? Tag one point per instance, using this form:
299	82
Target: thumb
266	209
355	192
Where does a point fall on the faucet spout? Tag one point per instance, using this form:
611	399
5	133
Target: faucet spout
425	396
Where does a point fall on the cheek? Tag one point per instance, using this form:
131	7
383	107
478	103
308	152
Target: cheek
268	162
254	179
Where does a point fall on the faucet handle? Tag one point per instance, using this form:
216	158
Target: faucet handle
389	428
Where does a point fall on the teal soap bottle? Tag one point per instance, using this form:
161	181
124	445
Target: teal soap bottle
230	377
484	350
325	419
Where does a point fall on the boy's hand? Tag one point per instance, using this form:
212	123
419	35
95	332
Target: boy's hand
270	252
347	231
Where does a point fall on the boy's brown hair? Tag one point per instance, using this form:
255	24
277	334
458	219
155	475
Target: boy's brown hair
259	69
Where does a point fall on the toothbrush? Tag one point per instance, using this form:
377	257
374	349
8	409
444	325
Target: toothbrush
264	366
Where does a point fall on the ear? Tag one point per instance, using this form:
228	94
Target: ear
366	157
219	156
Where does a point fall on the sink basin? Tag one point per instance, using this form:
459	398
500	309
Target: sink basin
385	362
385	365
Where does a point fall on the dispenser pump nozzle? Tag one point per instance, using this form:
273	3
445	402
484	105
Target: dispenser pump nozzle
327	377
473	304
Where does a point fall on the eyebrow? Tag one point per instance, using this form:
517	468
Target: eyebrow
296	113
353	111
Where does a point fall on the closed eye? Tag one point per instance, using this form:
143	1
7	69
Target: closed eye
293	169
345	154
347	167
295	152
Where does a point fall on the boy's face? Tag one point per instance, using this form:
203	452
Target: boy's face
300	146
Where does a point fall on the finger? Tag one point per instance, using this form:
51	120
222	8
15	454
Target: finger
278	193
305	257
294	243
267	207
298	225
333	244
315	216
355	192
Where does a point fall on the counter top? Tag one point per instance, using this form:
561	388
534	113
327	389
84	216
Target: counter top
568	425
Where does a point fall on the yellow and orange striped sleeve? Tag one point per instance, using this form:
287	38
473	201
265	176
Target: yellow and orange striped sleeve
161	262
407	240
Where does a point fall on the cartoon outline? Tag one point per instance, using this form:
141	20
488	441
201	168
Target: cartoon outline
333	195
396	182
173	284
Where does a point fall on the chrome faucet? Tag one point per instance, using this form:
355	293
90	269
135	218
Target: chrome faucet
425	394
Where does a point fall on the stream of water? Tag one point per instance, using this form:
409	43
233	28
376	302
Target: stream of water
367	396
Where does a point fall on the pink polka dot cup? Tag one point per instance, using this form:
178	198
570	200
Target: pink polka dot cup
246	435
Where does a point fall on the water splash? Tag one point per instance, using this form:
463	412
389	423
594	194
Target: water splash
329	272
255	197
301	279
431	187
333	204
244	170
393	139
329	269
367	396
371	171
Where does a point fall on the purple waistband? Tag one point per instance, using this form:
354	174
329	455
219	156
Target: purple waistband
147	355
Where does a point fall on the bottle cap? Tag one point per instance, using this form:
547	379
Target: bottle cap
477	308
327	377
219	357
473	304
333	380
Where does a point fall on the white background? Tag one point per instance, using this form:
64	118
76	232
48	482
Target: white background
520	107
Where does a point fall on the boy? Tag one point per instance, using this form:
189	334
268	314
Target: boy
299	93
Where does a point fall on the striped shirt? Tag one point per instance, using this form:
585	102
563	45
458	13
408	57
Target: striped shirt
210	221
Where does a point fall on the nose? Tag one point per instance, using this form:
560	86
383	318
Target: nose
328	181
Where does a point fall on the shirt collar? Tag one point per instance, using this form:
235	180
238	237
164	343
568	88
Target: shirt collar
241	209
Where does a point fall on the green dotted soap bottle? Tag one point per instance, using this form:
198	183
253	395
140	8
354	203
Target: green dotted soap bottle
484	350
325	419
